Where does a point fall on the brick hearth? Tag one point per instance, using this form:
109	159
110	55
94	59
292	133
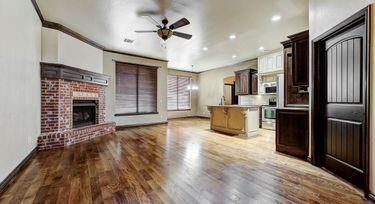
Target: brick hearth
57	97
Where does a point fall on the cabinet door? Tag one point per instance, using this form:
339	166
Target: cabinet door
262	64
238	83
243	82
254	84
292	132
270	63
279	61
301	63
245	76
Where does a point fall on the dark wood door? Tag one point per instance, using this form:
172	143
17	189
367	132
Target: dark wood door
345	115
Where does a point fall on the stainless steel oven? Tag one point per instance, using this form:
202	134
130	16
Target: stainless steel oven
269	117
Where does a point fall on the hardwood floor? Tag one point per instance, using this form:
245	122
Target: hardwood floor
182	162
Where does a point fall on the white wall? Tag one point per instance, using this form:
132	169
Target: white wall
194	96
325	14
58	47
211	84
109	67
20	48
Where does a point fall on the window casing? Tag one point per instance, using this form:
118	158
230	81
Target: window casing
179	93
136	89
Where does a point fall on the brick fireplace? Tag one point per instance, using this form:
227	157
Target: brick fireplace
73	106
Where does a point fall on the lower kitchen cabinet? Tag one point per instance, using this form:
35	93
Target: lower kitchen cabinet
292	131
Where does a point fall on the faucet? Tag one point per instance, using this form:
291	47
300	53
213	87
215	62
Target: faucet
222	100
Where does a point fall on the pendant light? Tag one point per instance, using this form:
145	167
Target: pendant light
192	85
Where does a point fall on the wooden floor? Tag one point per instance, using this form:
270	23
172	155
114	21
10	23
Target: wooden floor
182	162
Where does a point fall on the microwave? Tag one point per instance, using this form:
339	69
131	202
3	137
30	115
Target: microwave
270	89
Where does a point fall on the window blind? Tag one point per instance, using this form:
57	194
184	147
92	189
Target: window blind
178	93
136	89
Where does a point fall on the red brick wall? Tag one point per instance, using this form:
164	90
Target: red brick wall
57	103
55	140
57	113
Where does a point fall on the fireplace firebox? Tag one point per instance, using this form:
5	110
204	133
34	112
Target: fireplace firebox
84	113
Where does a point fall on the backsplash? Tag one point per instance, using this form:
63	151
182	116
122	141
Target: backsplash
254	99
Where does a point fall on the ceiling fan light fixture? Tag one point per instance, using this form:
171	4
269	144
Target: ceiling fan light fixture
164	33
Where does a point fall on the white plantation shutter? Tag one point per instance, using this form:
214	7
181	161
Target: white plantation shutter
178	93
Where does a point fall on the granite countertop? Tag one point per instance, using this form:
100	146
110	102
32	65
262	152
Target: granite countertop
235	106
304	108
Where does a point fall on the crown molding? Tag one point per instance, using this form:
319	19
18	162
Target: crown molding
36	7
134	55
68	31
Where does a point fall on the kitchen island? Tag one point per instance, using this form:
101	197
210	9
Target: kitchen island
235	119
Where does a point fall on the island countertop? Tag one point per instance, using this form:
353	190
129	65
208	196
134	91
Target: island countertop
234	106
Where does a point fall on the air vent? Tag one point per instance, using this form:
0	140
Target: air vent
127	40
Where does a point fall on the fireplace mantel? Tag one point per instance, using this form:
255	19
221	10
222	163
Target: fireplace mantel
60	71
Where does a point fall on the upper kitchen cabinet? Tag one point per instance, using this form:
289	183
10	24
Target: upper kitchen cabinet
296	72
246	82
272	63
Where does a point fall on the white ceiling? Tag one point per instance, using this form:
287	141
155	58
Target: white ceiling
108	22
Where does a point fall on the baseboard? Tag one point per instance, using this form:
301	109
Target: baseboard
203	117
371	197
123	127
4	184
187	117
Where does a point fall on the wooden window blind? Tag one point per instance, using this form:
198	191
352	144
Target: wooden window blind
178	93
136	89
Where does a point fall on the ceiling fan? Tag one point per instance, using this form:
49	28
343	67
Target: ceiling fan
165	32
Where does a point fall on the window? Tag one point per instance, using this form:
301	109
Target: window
136	89
178	93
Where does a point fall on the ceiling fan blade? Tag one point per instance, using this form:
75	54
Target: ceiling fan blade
180	23
145	31
182	35
152	21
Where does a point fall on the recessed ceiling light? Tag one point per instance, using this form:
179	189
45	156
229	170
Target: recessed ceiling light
276	18
232	36
234	56
261	48
205	48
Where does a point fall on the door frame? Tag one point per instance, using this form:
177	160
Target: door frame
318	95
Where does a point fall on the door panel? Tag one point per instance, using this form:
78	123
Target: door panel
345	105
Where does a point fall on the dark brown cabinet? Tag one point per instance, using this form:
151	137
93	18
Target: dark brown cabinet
246	82
296	69
292	131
